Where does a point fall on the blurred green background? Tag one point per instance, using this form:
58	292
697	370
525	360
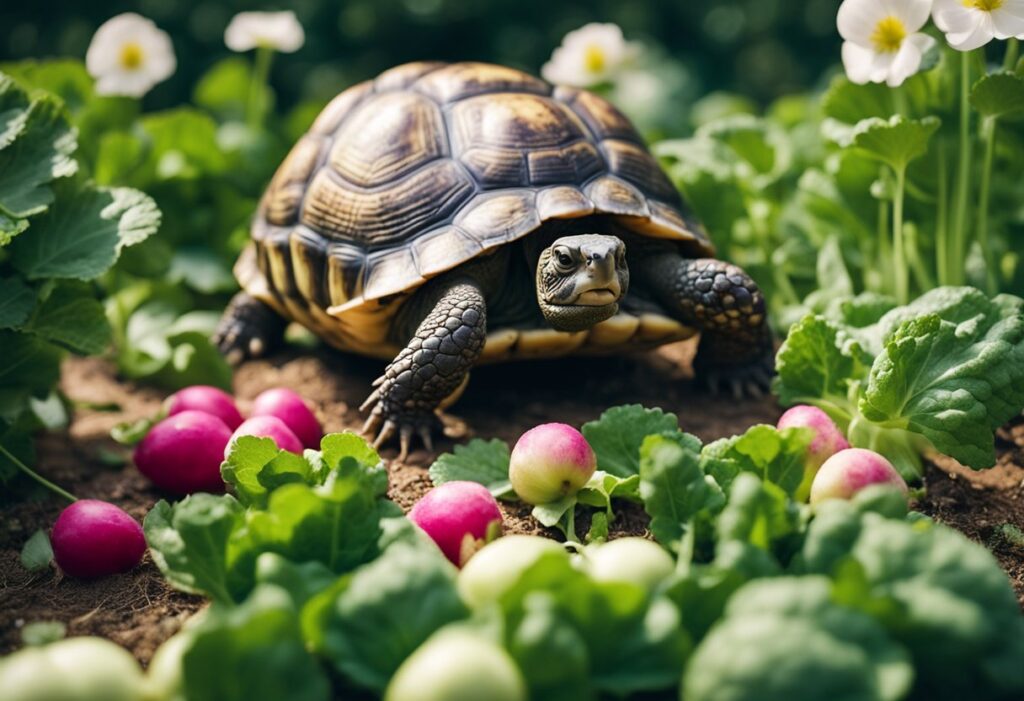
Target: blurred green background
759	48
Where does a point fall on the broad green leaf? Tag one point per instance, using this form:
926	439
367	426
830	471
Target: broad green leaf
29	366
120	155
410	589
189	542
83	234
952	383
998	94
601	488
775	456
484	462
816	364
72	318
202	270
10	227
14	112
301	581
37	554
833	277
183	144
758	513
850	103
617	435
16	302
254	466
38	155
673	486
895	142
252	652
551	652
791	624
225	89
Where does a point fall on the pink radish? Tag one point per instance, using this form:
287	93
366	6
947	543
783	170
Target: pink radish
851	470
549	462
828	439
182	453
293	411
210	400
267	427
460	517
94	539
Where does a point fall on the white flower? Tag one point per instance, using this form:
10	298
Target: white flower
882	43
280	31
128	55
589	55
969	24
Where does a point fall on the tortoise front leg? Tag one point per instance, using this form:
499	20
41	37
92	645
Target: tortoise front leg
433	365
721	300
248	329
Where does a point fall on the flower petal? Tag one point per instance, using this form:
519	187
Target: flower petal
1008	20
905	64
952	16
857	19
857	61
982	33
913	13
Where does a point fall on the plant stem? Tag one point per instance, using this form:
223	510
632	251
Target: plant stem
899	252
1010	59
35	475
942	253
988	130
963	184
258	86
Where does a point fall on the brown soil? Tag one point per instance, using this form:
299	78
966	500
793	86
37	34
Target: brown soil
139	611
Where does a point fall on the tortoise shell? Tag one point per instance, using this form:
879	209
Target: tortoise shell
409	175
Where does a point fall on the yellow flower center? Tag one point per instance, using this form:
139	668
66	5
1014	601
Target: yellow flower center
888	35
594	59
983	5
131	56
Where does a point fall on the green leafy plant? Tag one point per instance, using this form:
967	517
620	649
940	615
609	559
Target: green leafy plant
60	233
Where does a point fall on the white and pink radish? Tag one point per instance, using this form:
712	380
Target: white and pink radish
851	470
266	427
293	411
94	539
550	462
183	453
209	400
498	566
828	439
461	517
634	560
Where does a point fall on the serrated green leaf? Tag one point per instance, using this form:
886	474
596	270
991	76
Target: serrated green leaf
616	437
14	104
83	234
896	141
72	318
10	227
16	302
40	154
30	366
815	364
953	383
480	461
37	554
775	456
757	513
998	94
673	487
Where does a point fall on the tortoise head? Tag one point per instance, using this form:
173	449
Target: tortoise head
581	279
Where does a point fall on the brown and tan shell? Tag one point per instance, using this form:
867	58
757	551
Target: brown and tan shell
429	165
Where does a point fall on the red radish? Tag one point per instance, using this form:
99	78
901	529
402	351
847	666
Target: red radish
183	453
828	439
293	410
267	427
209	400
549	462
460	517
94	539
851	470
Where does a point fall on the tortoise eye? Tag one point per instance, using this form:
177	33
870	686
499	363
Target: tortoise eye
563	259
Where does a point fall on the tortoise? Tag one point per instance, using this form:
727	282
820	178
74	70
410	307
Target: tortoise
445	215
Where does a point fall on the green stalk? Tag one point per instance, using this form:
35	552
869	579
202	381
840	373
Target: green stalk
35	475
1010	59
963	184
260	76
942	252
899	251
988	129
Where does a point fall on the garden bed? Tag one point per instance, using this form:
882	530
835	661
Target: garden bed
138	610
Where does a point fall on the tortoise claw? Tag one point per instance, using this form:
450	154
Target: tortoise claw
371	400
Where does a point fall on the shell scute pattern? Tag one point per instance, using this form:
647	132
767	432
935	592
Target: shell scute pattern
429	165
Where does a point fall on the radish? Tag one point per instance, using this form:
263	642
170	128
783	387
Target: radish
183	453
209	400
633	560
851	470
828	439
457	665
293	411
550	462
266	427
460	517
77	669
94	539
497	567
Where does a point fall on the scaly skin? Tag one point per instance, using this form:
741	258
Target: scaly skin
248	329
433	365
728	307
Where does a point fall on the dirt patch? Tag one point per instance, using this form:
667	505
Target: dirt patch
139	611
